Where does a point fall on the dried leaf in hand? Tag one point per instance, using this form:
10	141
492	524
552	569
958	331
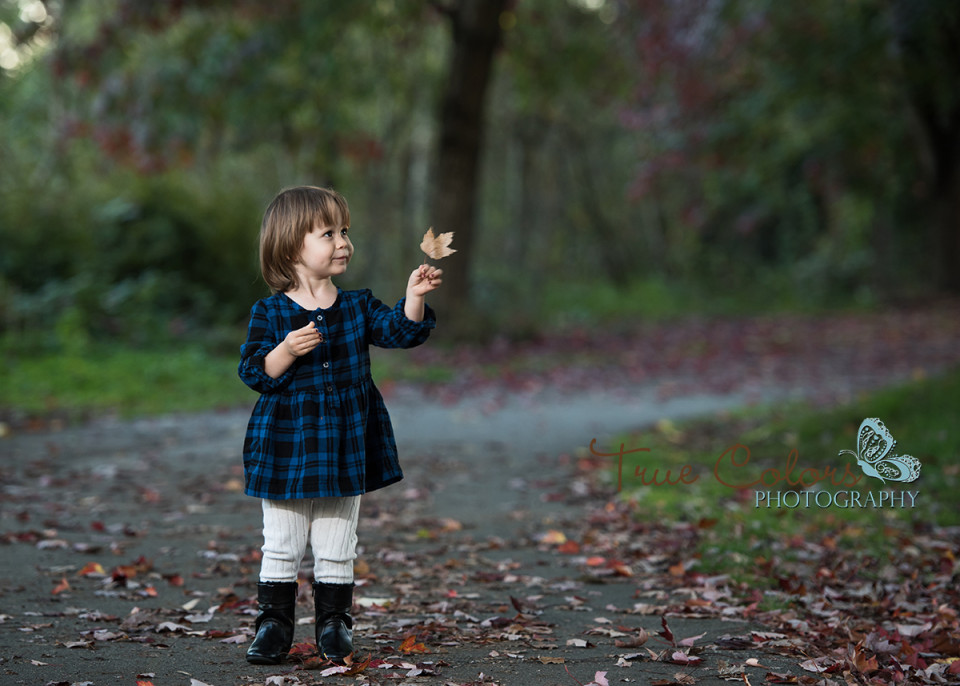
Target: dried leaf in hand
437	247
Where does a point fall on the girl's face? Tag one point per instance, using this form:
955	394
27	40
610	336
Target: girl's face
326	251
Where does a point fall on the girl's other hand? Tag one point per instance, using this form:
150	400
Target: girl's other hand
301	341
424	279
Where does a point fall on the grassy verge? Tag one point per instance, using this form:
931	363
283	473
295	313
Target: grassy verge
740	534
126	381
102	379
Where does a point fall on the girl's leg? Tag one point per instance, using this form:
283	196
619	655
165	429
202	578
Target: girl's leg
333	538
286	526
334	543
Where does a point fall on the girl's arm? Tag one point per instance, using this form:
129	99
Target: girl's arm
296	344
254	369
423	280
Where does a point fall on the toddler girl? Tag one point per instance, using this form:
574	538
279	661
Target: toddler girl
319	435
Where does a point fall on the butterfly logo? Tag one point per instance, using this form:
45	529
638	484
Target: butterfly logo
874	445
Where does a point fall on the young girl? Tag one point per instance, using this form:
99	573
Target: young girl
319	435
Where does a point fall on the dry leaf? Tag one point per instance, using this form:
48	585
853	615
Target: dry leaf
410	645
92	569
553	537
437	247
600	679
548	660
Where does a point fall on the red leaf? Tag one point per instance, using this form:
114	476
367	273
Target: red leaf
303	650
666	633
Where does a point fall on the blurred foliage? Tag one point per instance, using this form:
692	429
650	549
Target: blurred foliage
761	152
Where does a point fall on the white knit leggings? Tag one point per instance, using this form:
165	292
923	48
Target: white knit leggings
331	526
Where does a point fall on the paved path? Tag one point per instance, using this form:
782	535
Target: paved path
459	529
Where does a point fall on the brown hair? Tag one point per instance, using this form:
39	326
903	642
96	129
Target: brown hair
290	217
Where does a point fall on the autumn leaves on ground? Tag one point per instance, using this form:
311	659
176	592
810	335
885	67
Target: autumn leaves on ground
130	555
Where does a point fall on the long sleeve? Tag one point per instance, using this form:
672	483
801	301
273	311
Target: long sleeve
262	337
390	328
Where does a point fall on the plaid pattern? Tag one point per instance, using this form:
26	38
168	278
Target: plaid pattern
322	428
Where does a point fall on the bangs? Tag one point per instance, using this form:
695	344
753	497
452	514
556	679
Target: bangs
332	210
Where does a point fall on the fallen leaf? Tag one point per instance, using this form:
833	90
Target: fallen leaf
373	602
688	642
437	247
547	660
92	568
174	579
553	537
104	635
666	633
819	665
410	645
600	679
681	658
336	669
78	644
302	650
64	585
635	641
171	627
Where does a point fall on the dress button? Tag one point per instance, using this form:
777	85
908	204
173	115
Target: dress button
319	317
329	389
326	364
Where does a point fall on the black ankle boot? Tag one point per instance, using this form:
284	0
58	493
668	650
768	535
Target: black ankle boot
334	623
274	623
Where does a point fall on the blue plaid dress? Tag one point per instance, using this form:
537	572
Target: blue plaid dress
322	428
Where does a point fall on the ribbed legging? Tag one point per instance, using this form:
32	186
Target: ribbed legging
330	525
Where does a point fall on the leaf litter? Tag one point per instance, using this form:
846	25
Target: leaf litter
164	574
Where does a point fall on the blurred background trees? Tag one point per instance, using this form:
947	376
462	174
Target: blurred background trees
589	153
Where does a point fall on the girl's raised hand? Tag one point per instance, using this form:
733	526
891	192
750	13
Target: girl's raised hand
424	279
301	341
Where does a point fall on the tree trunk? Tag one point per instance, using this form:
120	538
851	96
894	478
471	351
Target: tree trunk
476	36
947	229
928	35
